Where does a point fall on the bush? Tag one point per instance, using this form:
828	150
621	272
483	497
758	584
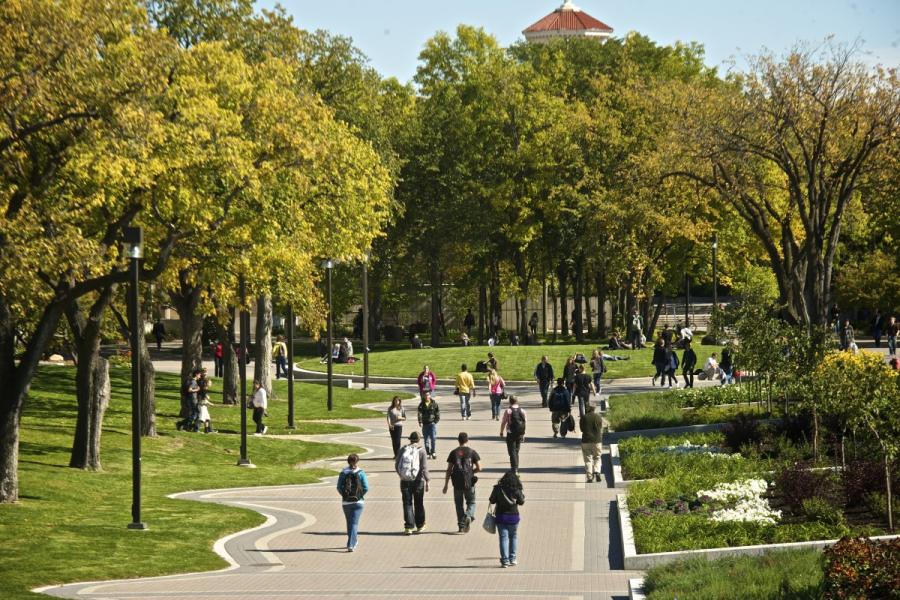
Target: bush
864	476
796	483
823	511
862	568
743	431
876	502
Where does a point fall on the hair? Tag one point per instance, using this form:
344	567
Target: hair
395	401
510	481
560	381
493	376
425	367
513	399
463	367
462	438
491	354
595	354
590	407
256	382
544	357
571	359
353	459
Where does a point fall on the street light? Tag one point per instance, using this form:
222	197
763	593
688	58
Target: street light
290	374
243	461
328	265
365	323
134	246
715	246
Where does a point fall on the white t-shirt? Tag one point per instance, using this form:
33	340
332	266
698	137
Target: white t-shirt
260	399
711	363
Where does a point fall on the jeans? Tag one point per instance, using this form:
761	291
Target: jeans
396	437
220	366
544	387
258	414
591	454
413	493
688	375
727	376
352	512
280	367
877	335
582	402
464	408
429	432
508	534
597	377
495	405
892	345
468	495
513	443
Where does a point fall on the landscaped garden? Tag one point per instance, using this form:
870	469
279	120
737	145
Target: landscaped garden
676	408
69	524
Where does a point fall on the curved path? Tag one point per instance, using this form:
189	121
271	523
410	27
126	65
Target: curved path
565	546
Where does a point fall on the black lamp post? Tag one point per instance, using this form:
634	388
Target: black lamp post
715	247
687	300
365	323
134	242
329	265
290	373
243	461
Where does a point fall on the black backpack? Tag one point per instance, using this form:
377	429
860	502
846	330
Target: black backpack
558	401
352	490
516	422
463	472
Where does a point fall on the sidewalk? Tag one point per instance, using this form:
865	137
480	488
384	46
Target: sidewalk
566	547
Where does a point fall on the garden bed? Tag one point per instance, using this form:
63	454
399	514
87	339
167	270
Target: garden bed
680	408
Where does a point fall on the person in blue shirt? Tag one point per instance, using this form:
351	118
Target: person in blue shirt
352	484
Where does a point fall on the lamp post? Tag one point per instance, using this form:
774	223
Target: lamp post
243	461
290	373
365	323
687	299
715	246
329	265
134	243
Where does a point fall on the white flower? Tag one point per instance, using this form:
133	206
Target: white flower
703	449
749	505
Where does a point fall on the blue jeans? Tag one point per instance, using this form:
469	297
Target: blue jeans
892	345
429	432
582	402
544	387
727	376
495	405
464	408
469	510
597	377
280	367
509	539
352	512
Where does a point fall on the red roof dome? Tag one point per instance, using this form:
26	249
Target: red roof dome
566	21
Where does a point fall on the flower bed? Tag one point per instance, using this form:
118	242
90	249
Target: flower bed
647	458
677	408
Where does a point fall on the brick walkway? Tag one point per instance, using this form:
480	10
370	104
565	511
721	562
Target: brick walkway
565	546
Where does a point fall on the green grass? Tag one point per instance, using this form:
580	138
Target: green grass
516	363
70	525
652	410
643	459
796	575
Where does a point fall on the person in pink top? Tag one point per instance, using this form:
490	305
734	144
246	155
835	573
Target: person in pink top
496	386
426	381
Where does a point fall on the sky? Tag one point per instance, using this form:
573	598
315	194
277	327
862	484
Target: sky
392	32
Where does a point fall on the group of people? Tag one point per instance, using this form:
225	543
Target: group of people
194	412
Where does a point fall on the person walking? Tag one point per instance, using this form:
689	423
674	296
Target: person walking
465	389
507	496
560	408
584	387
591	425
877	327
219	356
462	465
598	368
726	367
847	338
543	374
659	361
532	327
259	402
671	364
427	382
512	427
570	370
892	329
688	364
429	416
159	332
189	403
395	417
352	485
636	329
496	386
279	351
469	322
411	465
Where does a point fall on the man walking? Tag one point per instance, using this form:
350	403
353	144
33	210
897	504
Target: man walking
591	437
462	464
427	382
688	364
584	387
892	329
429	416
560	406
543	374
465	387
260	403
159	331
279	351
513	426
412	467
636	330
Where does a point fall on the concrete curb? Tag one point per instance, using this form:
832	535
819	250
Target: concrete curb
638	562
636	589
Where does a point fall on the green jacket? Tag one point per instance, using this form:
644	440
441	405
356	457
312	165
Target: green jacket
591	425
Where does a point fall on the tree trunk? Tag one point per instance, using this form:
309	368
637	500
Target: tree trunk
262	369
555	309
229	358
602	292
482	309
656	312
435	304
495	307
587	304
148	381
577	321
562	275
523	275
887	483
187	302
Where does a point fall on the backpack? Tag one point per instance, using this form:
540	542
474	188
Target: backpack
352	490
516	422
408	467
558	402
463	471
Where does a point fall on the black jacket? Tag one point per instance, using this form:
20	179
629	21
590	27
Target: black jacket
503	507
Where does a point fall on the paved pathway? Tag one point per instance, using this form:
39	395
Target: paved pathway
567	549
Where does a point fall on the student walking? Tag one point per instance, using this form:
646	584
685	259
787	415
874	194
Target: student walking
591	437
465	389
671	363
259	402
462	465
427	382
543	374
892	330
279	351
570	370
411	465
659	361
395	417
219	358
429	416
189	400
560	408
496	386
584	387
726	367
352	485
688	364
507	496
598	368
512	427
159	332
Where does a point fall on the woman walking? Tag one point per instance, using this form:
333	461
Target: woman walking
598	367
496	386
352	485
569	371
395	417
671	363
507	496
659	361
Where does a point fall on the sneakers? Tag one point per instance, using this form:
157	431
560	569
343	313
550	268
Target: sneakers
265	429
468	524
513	562
461	529
504	565
597	477
555	435
351	548
590	479
408	531
421	529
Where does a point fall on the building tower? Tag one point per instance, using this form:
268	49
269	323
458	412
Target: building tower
567	21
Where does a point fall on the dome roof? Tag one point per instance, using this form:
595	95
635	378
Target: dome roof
567	21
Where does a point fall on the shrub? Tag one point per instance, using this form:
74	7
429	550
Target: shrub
820	509
742	431
796	483
864	476
876	502
862	568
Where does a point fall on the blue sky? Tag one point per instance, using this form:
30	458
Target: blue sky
391	32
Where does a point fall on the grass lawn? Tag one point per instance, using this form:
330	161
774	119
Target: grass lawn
796	575
515	362
651	410
70	525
